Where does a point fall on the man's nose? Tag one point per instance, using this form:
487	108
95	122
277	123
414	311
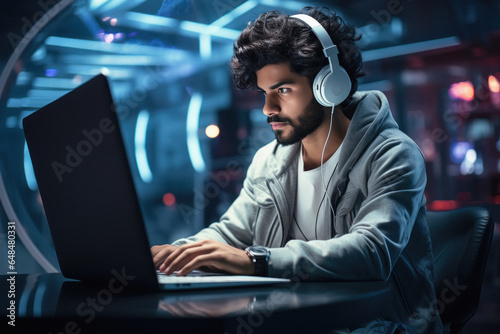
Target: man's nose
271	107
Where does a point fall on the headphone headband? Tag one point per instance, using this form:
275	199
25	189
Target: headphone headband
332	84
329	49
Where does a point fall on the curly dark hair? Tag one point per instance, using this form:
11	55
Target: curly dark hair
275	38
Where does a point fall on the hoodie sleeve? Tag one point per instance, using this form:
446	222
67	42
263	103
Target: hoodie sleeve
235	232
235	227
380	230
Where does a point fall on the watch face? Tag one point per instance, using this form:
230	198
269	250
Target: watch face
259	256
258	250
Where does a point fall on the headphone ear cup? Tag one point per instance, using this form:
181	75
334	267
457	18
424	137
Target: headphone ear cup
331	89
318	86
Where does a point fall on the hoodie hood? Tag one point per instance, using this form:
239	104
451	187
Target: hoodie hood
372	115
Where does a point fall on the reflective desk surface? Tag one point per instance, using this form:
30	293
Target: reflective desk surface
49	303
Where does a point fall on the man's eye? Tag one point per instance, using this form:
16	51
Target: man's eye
284	90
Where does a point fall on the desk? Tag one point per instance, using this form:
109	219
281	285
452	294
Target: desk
50	303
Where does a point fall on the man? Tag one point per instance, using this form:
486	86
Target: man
339	195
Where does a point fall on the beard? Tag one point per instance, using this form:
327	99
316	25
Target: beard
307	123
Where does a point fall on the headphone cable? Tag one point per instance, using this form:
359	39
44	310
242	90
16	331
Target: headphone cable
322	155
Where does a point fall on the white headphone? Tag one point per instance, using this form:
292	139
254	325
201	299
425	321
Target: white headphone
332	84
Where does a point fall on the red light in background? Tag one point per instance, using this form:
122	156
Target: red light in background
462	90
496	199
443	205
168	199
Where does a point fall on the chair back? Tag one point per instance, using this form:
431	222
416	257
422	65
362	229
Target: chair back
461	240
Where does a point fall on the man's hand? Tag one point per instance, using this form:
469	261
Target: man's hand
160	253
202	255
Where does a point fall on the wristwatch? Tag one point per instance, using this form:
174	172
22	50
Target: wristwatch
260	256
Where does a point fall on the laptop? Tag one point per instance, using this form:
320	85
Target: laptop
89	198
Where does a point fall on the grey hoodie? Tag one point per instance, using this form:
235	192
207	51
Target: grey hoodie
379	231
